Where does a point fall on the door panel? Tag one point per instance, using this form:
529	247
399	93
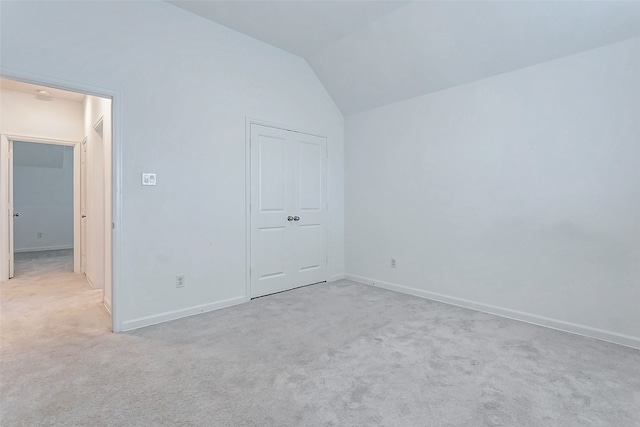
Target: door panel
310	176
273	252
310	206
287	182
272	174
309	251
271	238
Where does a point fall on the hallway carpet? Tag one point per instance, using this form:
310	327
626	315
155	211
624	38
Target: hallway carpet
40	264
338	354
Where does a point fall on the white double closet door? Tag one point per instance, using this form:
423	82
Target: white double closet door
288	210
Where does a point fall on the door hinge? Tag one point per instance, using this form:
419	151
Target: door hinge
113	225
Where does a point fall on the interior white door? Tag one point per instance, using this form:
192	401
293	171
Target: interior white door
288	210
12	214
83	206
310	208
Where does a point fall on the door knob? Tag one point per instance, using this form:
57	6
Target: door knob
15	215
290	218
296	218
84	216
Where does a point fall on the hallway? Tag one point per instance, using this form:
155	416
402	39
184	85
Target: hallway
45	302
38	265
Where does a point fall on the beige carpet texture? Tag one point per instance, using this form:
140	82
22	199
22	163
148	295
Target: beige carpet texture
337	354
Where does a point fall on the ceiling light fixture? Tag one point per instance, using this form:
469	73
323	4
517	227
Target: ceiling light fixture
42	92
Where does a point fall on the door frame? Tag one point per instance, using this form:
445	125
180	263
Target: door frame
8	181
115	183
6	213
253	121
82	191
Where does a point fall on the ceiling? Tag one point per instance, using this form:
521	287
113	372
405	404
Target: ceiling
6	84
372	53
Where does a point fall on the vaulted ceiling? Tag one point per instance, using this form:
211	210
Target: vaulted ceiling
373	53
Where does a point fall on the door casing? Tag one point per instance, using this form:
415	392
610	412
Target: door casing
7	184
115	181
6	210
83	206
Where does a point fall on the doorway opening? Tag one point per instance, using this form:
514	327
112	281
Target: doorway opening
56	188
43	237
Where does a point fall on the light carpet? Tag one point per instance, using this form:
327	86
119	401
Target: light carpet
338	354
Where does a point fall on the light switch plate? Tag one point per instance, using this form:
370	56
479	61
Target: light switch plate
148	178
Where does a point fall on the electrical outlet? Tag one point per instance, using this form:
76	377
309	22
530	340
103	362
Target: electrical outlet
180	281
39	234
393	263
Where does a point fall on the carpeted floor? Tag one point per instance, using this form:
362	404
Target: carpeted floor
38	265
339	354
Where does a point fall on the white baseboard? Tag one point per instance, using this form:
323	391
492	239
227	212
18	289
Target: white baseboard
561	325
336	277
43	248
107	305
90	281
178	314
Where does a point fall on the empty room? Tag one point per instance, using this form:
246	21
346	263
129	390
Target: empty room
337	213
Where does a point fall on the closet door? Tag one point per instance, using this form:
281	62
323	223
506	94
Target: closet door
309	207
288	210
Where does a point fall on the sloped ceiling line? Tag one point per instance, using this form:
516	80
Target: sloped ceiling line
372	53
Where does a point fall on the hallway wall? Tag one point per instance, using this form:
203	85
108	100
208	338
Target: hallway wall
99	193
26	114
43	196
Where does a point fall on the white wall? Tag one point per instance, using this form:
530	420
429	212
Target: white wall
186	86
517	192
43	196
